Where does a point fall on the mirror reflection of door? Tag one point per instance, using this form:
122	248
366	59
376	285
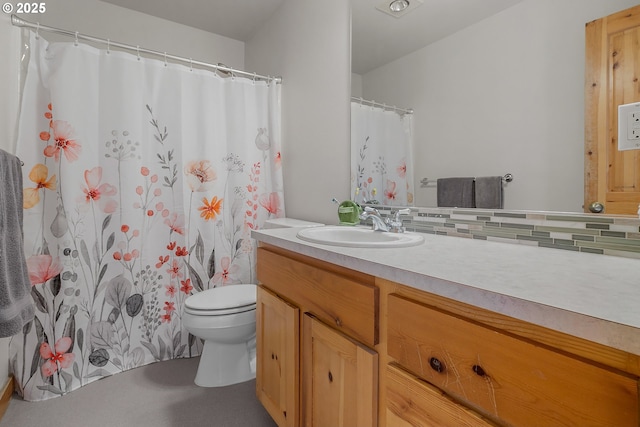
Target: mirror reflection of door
612	177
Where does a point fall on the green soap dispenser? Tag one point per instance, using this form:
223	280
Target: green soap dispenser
349	213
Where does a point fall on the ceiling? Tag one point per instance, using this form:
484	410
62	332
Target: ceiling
377	37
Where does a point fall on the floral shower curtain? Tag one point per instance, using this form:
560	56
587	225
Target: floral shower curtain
143	181
381	156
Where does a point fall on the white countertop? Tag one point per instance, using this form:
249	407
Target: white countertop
595	297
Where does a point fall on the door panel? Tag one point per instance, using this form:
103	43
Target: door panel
612	177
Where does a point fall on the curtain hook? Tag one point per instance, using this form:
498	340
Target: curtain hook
138	50
165	59
254	78
76	42
190	64
108	46
38	31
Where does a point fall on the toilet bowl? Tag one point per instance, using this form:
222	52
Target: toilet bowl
225	318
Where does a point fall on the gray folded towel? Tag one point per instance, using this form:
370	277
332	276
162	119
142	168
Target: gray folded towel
456	192
16	304
489	192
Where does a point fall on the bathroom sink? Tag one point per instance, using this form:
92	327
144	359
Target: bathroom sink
358	237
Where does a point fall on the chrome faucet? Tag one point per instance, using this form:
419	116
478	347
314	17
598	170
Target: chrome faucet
391	224
395	223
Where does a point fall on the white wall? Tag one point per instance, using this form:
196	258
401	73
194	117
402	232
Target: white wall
105	20
307	42
503	96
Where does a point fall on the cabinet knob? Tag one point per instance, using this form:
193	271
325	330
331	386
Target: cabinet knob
478	370
338	322
436	365
330	377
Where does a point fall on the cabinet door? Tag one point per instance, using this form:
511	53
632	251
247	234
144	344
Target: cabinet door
277	339
339	377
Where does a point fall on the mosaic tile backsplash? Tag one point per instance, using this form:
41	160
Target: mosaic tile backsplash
606	235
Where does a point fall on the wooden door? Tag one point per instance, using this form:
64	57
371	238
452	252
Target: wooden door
339	377
277	370
612	75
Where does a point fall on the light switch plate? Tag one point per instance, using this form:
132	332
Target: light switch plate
629	126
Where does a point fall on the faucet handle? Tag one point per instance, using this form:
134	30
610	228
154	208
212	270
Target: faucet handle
396	214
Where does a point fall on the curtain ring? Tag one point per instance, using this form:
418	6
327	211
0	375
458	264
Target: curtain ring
254	78
108	46
138	50
190	64
38	31
165	59
76	42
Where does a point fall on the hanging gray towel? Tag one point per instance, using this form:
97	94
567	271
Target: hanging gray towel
489	192
456	192
16	304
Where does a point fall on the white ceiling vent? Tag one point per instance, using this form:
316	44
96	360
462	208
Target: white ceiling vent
398	8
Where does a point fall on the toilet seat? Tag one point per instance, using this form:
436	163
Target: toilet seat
222	301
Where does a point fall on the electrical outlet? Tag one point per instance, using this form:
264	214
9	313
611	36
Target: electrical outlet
629	126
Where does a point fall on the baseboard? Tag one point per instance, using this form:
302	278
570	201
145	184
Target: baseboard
5	398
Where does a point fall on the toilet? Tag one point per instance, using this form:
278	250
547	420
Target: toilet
225	318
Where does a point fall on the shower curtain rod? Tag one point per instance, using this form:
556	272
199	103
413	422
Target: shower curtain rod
19	22
383	106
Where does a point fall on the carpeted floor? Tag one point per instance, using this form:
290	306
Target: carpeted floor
160	395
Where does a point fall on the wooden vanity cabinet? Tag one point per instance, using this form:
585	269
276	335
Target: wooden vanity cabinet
340	348
317	326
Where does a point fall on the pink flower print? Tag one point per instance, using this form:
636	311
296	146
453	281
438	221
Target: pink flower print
42	268
59	358
169	307
166	318
271	203
278	160
390	191
402	169
95	192
175	223
186	286
199	174
162	261
174	269
171	291
62	136
227	275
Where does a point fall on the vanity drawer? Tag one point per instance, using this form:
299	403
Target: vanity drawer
347	304
412	402
517	381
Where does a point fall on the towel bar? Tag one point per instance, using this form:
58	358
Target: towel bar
425	181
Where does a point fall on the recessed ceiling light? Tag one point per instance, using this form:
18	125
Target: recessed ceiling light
398	8
398	5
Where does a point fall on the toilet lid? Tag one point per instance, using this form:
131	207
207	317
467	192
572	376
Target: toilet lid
223	298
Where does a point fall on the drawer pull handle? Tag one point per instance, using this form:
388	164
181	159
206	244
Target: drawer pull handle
436	365
338	322
330	377
478	370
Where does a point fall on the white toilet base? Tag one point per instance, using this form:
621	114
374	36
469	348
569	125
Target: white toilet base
225	364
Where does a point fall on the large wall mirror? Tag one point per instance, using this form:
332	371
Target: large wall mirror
496	87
